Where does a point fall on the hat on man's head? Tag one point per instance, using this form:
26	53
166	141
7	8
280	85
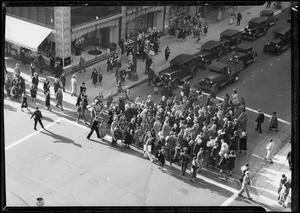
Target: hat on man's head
247	173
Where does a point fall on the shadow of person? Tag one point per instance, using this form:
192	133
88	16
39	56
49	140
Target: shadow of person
60	138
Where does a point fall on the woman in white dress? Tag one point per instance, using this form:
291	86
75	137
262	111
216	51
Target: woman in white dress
73	86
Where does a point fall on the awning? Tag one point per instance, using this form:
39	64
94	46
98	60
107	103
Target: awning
79	31
149	9
25	34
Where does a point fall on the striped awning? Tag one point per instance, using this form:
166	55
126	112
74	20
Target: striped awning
145	10
79	31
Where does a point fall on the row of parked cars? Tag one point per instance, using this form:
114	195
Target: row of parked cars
225	59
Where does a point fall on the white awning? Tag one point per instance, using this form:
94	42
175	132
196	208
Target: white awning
25	34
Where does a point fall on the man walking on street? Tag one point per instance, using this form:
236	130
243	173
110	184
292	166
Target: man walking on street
82	64
245	185
94	127
238	19
37	118
259	120
63	79
150	76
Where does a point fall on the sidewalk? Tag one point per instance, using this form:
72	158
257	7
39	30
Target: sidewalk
266	182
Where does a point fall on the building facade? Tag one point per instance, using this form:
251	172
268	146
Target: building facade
57	32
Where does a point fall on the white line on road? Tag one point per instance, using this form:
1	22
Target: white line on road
30	135
257	156
230	200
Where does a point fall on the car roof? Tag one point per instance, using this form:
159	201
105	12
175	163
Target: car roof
181	59
229	32
258	19
281	31
210	44
267	11
243	46
217	65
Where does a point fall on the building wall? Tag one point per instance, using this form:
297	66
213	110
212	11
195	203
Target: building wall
114	34
158	20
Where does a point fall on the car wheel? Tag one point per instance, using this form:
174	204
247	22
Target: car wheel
254	56
215	88
279	51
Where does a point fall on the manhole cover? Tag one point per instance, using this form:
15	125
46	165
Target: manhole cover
93	182
183	191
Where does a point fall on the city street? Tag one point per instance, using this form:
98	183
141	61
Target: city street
63	167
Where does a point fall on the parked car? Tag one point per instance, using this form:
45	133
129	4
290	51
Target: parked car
181	67
280	42
211	50
233	36
219	75
270	15
245	53
257	27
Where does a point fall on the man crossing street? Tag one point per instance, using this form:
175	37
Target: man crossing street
37	118
94	127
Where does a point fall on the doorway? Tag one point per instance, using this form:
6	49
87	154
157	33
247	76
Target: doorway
104	37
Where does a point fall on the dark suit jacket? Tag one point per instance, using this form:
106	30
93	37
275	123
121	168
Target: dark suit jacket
260	118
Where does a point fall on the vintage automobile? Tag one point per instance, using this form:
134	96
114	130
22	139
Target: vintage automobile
219	75
182	67
211	50
257	27
281	41
243	54
233	36
270	15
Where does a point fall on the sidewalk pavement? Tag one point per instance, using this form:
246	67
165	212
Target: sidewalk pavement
266	182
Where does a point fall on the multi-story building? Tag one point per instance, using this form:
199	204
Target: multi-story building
55	32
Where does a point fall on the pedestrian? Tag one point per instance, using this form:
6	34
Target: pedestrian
223	165
80	112
148	64
243	143
205	28
35	79
32	68
259	120
47	100
17	70
82	88
100	75
161	155
150	76
22	54
46	85
116	134
120	84
231	161
7	85
285	192
37	118
109	99
94	77
41	62
94	127
167	53
73	86
235	98
200	158
148	147
130	58
24	101
219	14
102	129
185	160
268	4
59	99
33	92
233	17
194	169
56	85
108	65
238	18
289	158
281	183
244	169
82	64
270	151
245	185
63	80
198	33
273	122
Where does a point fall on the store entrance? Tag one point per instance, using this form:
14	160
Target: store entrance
104	37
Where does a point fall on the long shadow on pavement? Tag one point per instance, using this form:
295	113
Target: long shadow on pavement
60	138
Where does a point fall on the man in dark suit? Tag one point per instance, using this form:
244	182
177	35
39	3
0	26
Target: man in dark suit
259	120
94	127
37	118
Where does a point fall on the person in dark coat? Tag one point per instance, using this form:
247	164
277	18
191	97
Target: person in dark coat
41	61
33	92
161	155
63	79
24	101
231	161
214	156
100	75
35	79
259	120
128	138
46	86
238	19
167	53
243	143
185	160
234	141
47	100
37	118
273	122
94	127
32	68
56	85
94	77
